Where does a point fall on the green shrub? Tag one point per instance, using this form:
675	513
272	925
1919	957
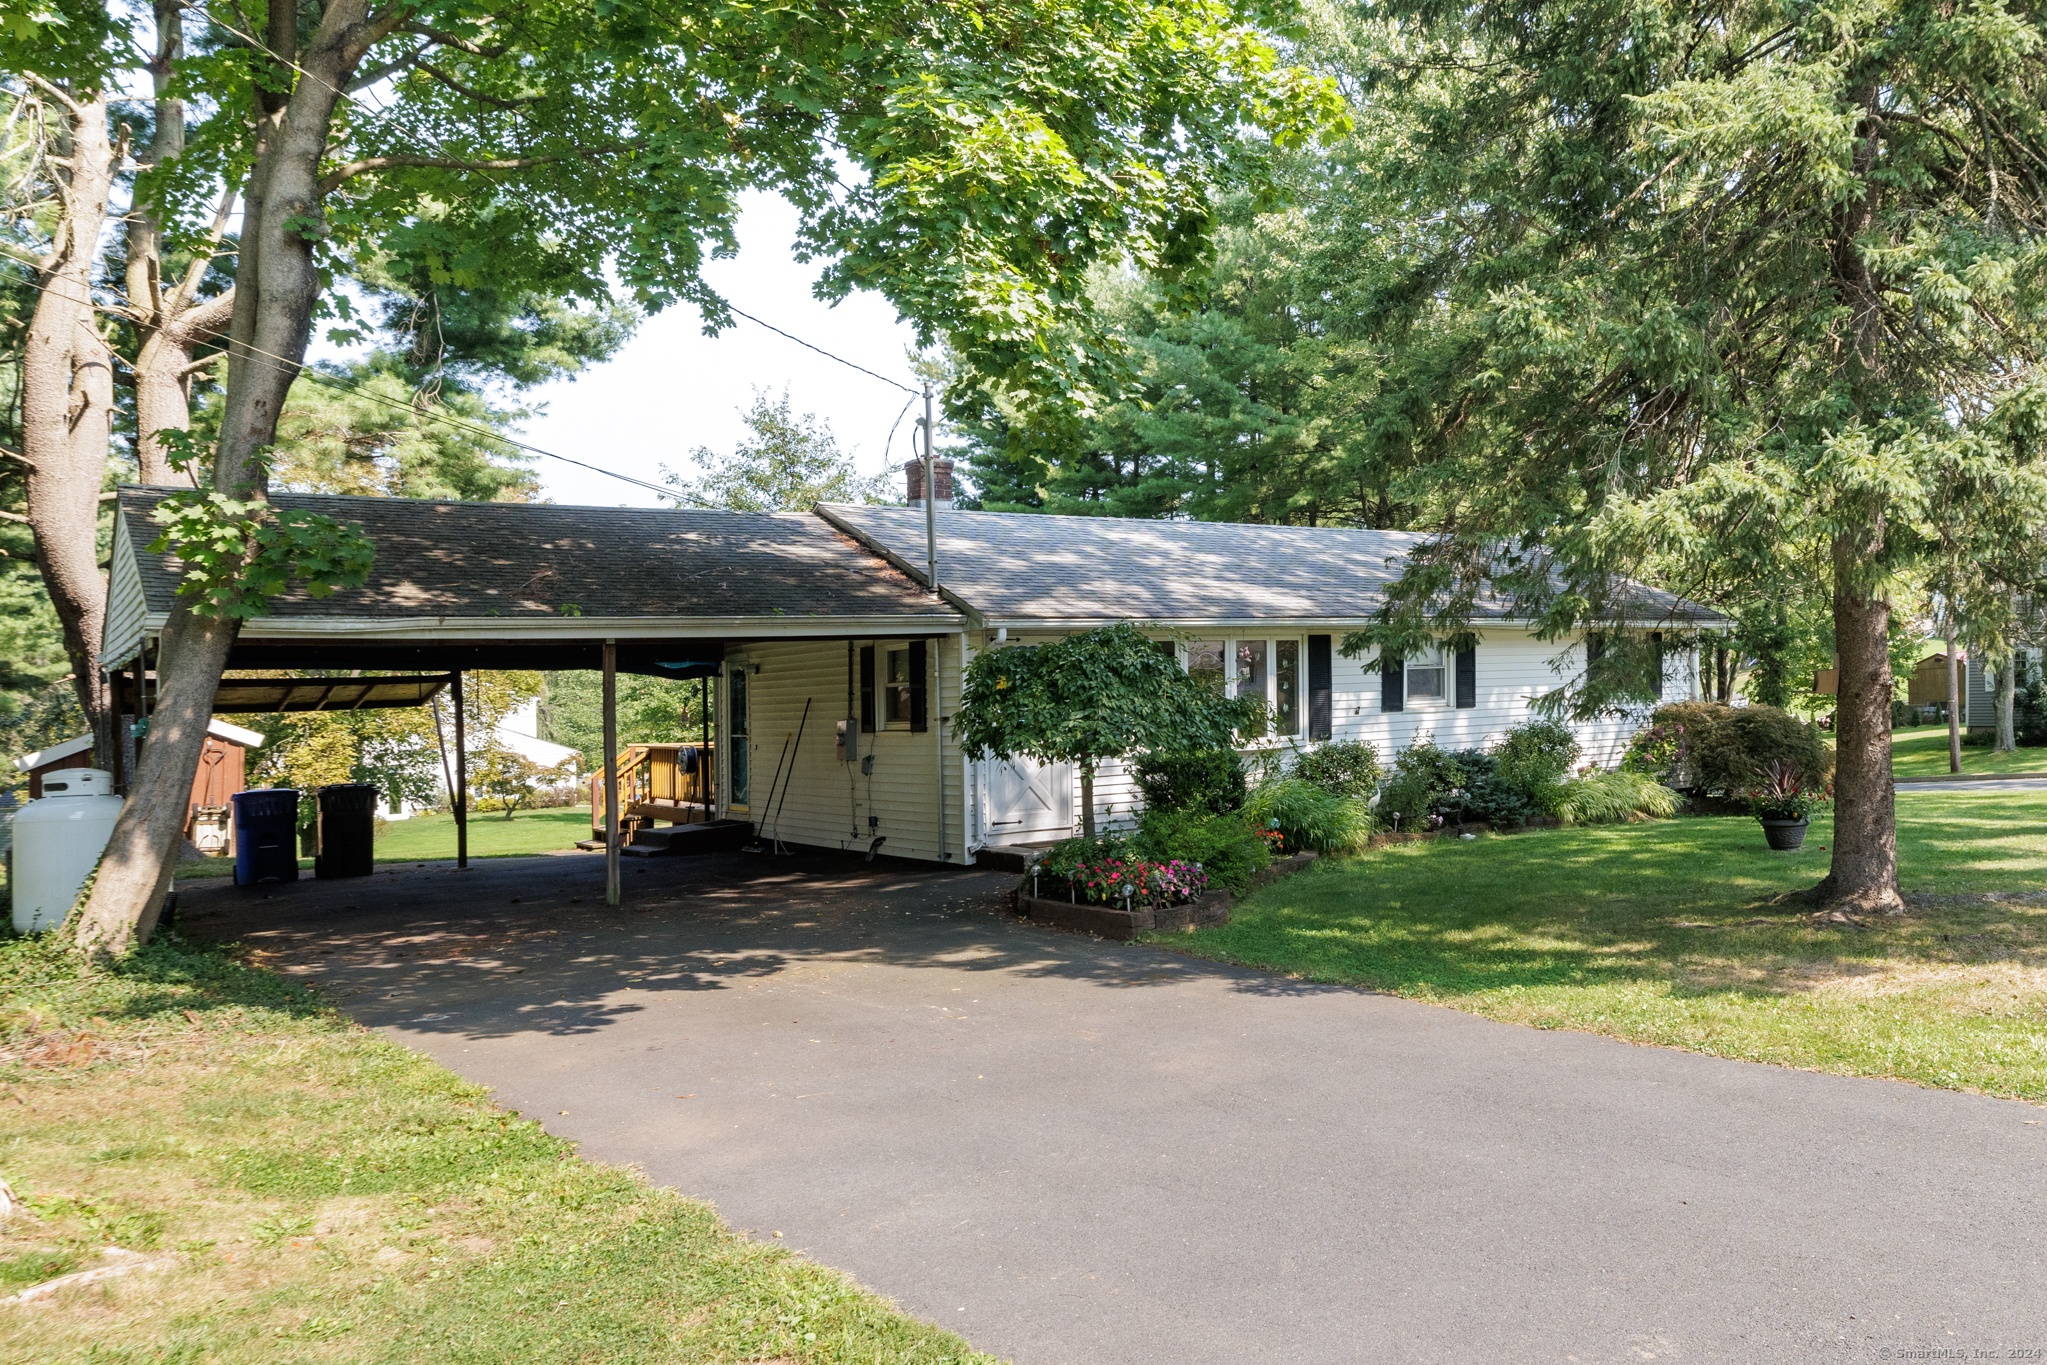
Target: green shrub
1346	767
1423	778
1062	858
1721	748
1209	779
1536	755
2029	705
1751	738
1307	817
1605	798
1224	843
1485	794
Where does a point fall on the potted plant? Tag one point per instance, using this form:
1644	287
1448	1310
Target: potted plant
1783	800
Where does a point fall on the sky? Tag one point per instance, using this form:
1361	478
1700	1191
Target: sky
673	389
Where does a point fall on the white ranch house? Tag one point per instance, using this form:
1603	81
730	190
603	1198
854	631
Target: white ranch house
831	611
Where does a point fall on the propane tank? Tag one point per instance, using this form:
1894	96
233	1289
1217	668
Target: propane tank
57	840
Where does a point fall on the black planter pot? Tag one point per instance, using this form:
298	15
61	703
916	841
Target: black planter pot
1785	835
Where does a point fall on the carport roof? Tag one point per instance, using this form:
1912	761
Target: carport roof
529	571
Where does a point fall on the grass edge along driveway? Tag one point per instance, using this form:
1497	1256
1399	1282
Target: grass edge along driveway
305	1191
1668	933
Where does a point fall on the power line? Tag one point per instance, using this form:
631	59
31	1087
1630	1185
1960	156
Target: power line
302	371
822	351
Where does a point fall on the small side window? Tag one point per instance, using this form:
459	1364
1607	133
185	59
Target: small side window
1425	678
897	687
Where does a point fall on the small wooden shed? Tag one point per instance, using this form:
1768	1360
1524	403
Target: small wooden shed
223	767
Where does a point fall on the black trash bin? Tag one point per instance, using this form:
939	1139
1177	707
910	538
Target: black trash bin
348	828
266	835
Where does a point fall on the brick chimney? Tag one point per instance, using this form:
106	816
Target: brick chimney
915	470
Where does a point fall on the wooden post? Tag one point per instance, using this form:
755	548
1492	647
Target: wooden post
611	889
460	796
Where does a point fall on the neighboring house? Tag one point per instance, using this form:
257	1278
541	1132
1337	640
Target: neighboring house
1979	705
519	732
837	669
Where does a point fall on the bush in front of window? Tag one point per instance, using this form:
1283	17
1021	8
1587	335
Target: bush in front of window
1344	767
1223	842
1208	780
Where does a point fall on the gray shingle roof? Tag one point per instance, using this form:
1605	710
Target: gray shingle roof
1012	566
476	559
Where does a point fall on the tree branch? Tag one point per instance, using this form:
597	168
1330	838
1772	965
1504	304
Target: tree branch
14	517
340	175
54	93
467	93
390	68
451	40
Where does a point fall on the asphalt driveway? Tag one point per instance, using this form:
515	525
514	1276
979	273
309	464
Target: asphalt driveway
1079	1153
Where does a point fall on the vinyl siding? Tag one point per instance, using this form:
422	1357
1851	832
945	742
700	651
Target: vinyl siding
821	801
121	636
1514	669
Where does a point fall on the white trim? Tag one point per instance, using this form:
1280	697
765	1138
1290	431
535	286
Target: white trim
234	734
30	762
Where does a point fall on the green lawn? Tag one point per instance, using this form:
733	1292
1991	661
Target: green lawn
318	1194
1668	933
1921	751
425	838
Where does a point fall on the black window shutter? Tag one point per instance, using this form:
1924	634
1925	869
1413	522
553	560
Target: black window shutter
1656	663
1392	684
867	689
1319	708
920	689
1595	647
1467	678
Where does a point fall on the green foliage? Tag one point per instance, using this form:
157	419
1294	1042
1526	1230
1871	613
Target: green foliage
650	711
1223	842
1745	741
380	437
788	464
2029	704
1086	698
1603	798
1486	795
1347	767
1423	776
1536	754
1780	791
49	715
239	552
1208	780
1308	816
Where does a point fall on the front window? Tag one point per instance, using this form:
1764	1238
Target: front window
1261	670
1205	661
1425	678
1286	701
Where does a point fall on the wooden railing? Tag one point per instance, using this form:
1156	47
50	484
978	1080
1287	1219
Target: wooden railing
657	782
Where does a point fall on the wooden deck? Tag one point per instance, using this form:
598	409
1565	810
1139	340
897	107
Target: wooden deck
658	782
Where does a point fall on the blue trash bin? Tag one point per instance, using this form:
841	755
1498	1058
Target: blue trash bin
266	835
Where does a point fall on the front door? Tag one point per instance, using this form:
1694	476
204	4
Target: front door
1023	801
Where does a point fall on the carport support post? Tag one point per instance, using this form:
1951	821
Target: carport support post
611	896
460	796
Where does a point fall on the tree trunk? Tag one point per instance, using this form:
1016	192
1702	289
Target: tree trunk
171	325
276	285
2006	703
1954	708
67	406
1864	875
1087	800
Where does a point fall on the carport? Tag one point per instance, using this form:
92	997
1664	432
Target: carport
458	586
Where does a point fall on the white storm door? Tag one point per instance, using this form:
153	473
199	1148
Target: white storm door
1024	798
